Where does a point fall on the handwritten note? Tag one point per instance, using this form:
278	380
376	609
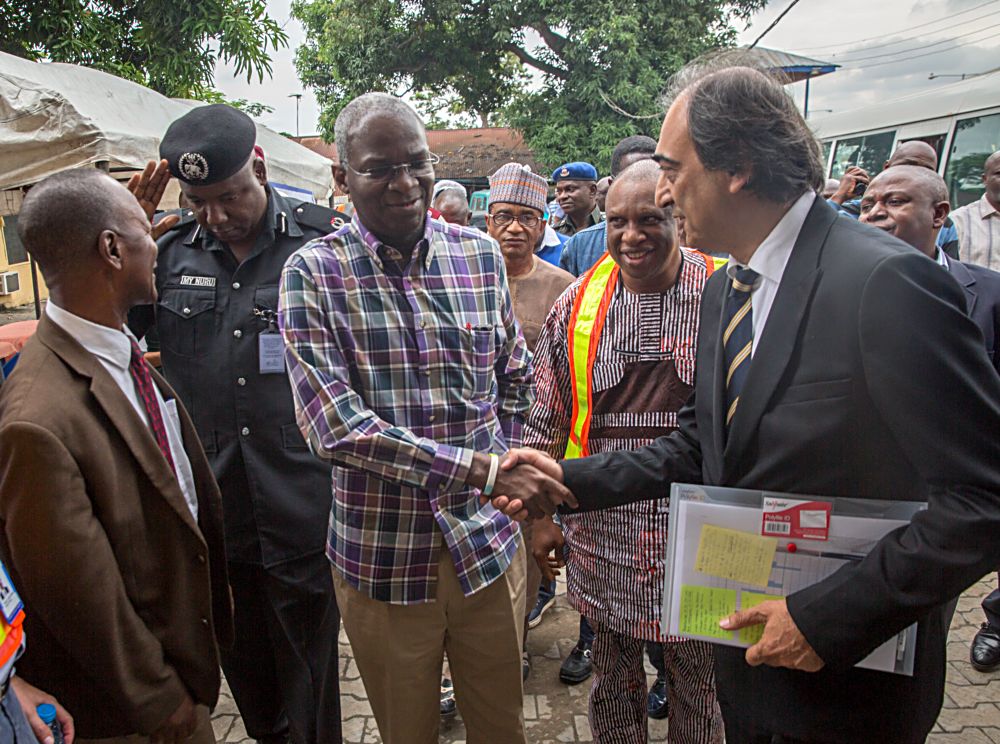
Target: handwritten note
734	555
702	607
751	634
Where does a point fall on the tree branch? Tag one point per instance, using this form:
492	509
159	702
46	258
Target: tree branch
554	41
536	63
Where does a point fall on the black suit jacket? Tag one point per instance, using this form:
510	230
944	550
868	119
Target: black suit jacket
982	297
867	357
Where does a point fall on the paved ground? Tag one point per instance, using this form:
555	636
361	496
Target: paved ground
555	712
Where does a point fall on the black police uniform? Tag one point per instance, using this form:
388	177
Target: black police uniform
211	316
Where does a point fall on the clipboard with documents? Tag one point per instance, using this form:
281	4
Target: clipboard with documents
730	549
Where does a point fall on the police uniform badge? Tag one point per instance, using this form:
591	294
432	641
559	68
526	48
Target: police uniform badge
193	166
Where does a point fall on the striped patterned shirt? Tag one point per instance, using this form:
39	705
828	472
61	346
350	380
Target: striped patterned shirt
978	226
399	375
616	566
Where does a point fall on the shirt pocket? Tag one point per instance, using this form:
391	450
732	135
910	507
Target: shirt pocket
479	357
185	319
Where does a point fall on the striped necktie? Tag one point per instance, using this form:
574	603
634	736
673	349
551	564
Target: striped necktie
738	337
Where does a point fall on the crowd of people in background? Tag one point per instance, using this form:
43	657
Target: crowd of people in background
247	423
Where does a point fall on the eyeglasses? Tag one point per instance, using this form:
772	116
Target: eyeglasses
502	219
387	173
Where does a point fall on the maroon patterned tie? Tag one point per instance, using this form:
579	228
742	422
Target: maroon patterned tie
144	384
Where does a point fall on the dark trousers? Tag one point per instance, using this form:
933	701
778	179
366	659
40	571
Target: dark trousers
991	606
282	668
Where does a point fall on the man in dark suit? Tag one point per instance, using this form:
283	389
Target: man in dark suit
110	519
831	357
912	203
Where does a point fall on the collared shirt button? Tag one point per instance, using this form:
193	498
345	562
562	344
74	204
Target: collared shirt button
431	418
236	285
245	431
427	373
186	311
204	621
238	333
241	381
423	323
201	558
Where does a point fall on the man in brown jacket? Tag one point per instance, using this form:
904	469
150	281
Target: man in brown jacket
110	520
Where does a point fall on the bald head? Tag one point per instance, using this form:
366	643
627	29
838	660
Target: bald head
453	207
641	172
910	202
63	216
914	152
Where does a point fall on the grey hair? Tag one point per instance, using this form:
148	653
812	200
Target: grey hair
740	118
361	108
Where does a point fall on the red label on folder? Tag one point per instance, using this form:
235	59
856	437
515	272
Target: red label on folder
808	520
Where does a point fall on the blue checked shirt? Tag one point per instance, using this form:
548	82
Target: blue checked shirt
399	375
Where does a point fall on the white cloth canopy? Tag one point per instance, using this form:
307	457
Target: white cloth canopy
57	116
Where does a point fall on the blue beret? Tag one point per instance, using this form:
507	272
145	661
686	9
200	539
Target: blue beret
574	172
208	144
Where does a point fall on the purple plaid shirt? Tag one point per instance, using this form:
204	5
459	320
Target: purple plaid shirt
399	375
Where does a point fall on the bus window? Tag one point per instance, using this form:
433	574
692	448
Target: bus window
975	140
869	152
826	153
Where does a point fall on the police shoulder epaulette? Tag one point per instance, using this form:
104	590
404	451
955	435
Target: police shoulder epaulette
318	217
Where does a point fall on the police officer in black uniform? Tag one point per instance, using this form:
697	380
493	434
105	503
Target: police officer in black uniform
217	277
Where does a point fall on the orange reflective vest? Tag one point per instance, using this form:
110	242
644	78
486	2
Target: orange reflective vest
585	325
11	633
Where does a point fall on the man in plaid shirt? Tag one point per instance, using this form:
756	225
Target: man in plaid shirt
411	375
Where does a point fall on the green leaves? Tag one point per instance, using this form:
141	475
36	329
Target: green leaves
169	45
572	75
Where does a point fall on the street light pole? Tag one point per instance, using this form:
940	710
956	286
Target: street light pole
298	99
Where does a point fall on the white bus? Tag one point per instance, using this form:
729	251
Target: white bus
960	120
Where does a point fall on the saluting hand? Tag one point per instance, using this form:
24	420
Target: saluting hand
147	188
782	644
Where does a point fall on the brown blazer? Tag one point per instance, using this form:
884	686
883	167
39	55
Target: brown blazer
125	595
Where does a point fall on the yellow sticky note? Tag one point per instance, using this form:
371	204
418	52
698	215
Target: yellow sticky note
702	607
752	633
734	555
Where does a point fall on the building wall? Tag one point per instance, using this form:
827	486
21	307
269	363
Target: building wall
24	295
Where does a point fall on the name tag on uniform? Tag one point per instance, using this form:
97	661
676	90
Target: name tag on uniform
271	352
198	281
10	600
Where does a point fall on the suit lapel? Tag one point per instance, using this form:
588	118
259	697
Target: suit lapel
120	412
964	277
714	307
774	350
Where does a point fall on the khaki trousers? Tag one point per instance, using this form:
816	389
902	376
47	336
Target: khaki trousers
203	734
399	650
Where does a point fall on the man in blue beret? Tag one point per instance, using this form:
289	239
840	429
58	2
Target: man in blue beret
217	276
576	194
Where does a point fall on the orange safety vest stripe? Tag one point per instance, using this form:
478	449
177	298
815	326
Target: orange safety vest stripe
10	637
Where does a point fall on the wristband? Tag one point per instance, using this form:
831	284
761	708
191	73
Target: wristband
491	479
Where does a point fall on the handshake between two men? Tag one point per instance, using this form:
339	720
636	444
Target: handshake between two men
528	484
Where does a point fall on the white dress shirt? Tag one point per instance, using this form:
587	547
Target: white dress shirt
978	226
113	350
770	259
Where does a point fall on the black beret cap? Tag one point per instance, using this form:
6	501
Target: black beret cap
208	144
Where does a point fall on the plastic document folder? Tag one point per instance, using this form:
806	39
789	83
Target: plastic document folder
730	549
